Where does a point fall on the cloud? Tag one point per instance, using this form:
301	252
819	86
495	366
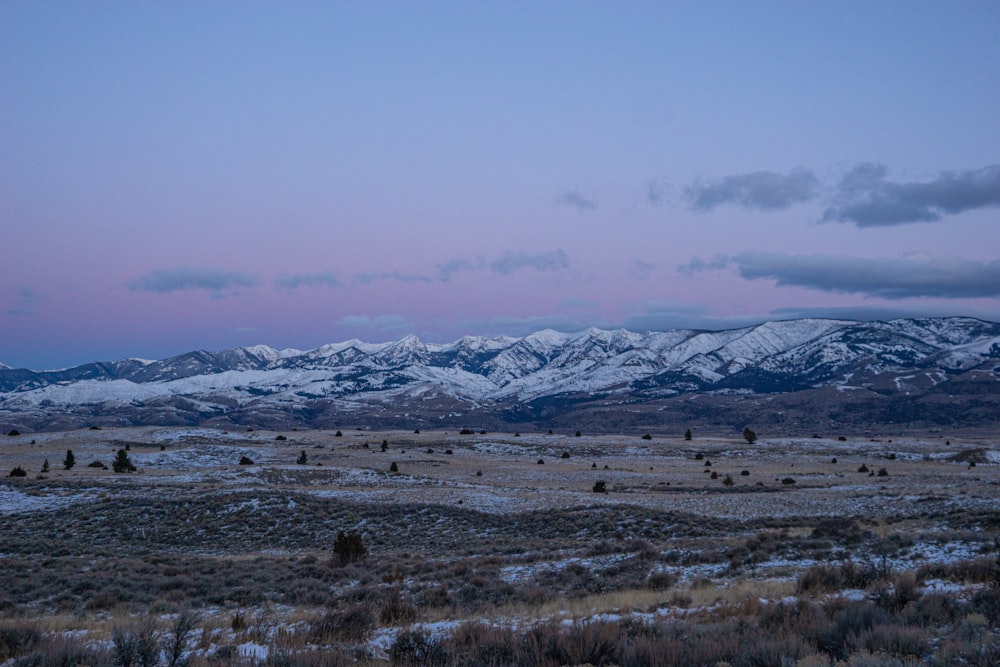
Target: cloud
907	277
452	266
27	300
577	303
656	192
664	315
866	198
549	260
387	323
366	278
574	199
758	190
522	326
297	280
641	268
177	280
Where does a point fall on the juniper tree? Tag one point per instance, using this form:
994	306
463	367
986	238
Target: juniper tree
70	460
122	462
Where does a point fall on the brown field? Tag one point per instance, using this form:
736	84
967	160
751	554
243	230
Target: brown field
495	549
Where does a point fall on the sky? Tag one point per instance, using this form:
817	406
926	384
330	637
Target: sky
190	175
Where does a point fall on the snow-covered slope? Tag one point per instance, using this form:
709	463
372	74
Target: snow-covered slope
771	357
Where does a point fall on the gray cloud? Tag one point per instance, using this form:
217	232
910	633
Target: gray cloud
641	268
577	303
866	198
297	280
366	278
906	277
549	260
759	190
656	192
177	280
378	323
575	199
452	266
27	300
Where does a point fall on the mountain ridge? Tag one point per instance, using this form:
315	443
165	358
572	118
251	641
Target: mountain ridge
539	378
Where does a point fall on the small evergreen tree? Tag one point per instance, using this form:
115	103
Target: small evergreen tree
45	466
122	462
749	435
349	548
302	458
687	434
18	471
70	460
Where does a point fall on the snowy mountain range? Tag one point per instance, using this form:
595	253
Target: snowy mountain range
548	377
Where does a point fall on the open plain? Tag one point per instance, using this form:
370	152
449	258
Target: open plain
366	547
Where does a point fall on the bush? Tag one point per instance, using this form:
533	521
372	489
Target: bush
600	486
749	435
302	458
97	464
788	480
466	431
863	468
122	462
18	471
393	467
353	625
246	461
281	438
565	455
418	648
647	436
349	548
338	434
13	432
728	481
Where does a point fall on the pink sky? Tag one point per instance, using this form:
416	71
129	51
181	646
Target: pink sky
187	177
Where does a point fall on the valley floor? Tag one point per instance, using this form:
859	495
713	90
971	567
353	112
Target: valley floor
532	548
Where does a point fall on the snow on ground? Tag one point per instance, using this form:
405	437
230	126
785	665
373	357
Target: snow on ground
15	501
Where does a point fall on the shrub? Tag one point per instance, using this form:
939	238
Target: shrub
246	461
416	647
744	473
749	435
600	486
540	462
70	460
393	467
466	431
17	639
122	462
687	434
479	473
354	625
338	434
788	480
45	466
714	475
97	464
302	458
281	438
565	455
647	436
882	472
728	481
13	432
449	452
430	450
578	434
18	471
396	609
863	468
661	581
349	548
